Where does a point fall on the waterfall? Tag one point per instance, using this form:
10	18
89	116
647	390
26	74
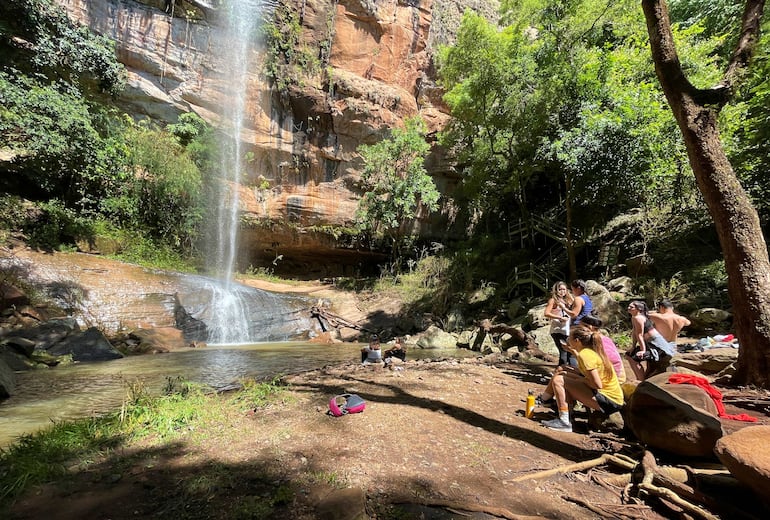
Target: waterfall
231	311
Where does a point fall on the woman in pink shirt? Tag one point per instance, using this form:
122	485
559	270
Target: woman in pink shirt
609	347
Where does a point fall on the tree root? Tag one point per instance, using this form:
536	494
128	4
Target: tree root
478	508
622	461
645	478
623	511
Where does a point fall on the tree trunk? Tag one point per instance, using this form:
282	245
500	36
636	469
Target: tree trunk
736	220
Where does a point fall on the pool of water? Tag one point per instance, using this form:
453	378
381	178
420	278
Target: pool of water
83	390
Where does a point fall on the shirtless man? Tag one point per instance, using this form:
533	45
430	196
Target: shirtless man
667	321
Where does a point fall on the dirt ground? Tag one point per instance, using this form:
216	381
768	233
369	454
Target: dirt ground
439	439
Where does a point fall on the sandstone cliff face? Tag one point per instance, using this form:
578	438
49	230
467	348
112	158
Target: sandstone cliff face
373	67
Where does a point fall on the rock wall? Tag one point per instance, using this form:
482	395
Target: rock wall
375	68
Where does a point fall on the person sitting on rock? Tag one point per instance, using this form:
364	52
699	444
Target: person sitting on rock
668	322
649	345
373	352
609	347
594	384
397	352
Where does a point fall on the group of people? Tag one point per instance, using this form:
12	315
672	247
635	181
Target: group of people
373	354
590	367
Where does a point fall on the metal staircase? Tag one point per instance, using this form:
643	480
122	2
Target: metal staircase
541	273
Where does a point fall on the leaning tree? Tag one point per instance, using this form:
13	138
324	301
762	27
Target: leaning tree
737	224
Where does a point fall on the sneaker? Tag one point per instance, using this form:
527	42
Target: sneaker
539	401
579	407
558	425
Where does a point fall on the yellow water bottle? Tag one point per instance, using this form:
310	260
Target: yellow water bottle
530	410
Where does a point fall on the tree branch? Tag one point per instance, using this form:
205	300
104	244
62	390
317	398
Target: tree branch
750	27
666	59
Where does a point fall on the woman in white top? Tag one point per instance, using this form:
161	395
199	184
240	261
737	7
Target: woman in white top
372	353
560	296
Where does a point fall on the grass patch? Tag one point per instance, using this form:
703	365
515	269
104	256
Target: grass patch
183	409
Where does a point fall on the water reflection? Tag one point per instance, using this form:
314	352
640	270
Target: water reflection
95	388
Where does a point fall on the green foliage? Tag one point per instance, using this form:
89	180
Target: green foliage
53	226
162	193
558	107
395	183
59	145
189	126
58	48
746	128
287	57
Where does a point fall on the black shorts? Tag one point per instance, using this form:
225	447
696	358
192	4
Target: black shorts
607	405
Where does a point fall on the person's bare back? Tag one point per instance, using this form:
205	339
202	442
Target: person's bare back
668	323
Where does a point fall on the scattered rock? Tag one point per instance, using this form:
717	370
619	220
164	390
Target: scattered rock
711	361
744	453
89	345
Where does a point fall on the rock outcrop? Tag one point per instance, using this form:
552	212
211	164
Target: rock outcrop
369	66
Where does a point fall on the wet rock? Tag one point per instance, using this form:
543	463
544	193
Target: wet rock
680	419
46	334
14	359
89	345
192	328
157	340
749	465
21	345
7	380
12	296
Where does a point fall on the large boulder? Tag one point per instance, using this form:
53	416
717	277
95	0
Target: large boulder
606	307
88	345
744	453
677	418
7	380
435	338
536	318
709	321
157	340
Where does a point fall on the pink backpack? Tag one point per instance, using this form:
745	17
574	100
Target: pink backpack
346	403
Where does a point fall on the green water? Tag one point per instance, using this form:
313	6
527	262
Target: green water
82	390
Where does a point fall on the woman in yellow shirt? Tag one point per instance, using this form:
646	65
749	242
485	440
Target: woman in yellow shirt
594	384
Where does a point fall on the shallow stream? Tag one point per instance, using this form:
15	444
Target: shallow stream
46	396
